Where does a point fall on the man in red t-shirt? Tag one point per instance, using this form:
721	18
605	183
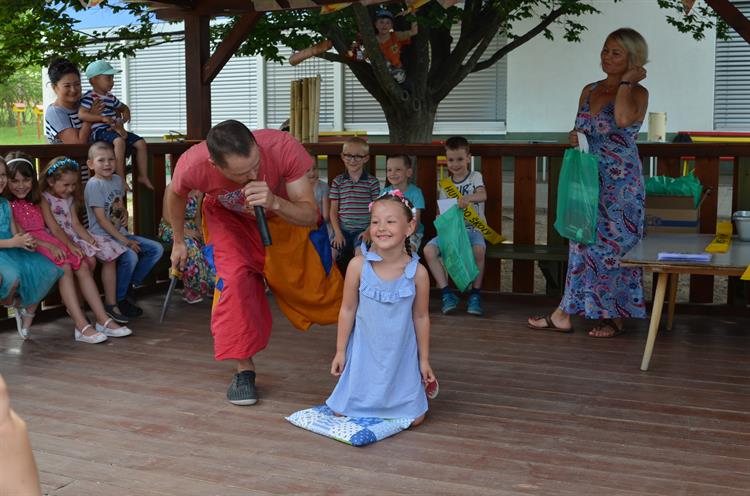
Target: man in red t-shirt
238	170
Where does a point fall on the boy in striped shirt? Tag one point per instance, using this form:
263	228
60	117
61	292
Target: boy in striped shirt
109	125
350	194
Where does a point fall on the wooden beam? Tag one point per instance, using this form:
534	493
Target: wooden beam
197	93
229	45
732	16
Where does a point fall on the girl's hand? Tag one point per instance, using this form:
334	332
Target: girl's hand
75	250
337	366
57	252
92	241
427	374
133	245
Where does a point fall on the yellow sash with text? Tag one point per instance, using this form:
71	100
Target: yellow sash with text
470	215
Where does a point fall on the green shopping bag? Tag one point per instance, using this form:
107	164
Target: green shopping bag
578	197
455	248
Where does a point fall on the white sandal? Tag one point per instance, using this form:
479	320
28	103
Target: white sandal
98	337
22	331
118	332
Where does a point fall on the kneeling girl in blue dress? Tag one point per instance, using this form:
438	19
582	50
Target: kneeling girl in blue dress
383	340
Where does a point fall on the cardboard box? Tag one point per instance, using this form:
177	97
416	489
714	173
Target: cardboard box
672	214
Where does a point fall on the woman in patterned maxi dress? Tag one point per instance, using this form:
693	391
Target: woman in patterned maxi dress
610	114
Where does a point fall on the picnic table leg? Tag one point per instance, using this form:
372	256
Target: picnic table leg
673	280
653	328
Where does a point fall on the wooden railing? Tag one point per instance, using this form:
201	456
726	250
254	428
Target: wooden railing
523	159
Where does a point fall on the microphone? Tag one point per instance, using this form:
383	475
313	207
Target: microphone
260	217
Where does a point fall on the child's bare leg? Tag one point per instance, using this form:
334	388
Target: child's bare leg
479	259
91	295
141	158
72	303
432	255
417	421
119	145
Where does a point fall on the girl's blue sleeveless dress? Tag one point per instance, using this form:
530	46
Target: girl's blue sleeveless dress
596	286
381	376
34	272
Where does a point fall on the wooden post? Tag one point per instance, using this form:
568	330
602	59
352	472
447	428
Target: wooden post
492	172
197	92
707	172
305	111
524	221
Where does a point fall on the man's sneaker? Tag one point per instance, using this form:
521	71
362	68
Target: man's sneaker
474	307
128	309
113	313
242	389
450	302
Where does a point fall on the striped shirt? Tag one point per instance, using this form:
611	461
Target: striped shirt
58	119
110	102
354	199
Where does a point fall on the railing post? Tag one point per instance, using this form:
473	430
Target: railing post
524	221
492	172
707	171
426	179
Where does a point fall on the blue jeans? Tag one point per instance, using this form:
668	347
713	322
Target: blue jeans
132	267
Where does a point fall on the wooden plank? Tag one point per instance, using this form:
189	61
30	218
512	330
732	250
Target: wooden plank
667	166
707	171
515	415
732	16
229	45
492	172
197	93
335	167
524	220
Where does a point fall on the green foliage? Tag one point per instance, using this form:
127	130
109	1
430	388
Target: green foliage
35	31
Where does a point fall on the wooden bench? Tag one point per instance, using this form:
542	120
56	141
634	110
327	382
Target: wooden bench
552	260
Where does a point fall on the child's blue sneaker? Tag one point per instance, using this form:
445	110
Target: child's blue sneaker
474	307
450	302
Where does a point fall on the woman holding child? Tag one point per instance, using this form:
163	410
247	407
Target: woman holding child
61	121
610	115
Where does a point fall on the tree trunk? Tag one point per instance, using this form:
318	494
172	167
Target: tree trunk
410	122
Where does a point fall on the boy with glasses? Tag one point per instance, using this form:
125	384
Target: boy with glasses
350	194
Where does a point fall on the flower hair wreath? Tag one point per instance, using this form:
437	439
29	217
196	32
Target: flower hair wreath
396	193
62	163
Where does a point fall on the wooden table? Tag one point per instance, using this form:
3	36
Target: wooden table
644	254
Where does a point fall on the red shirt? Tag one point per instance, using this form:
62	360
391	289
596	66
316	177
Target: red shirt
282	160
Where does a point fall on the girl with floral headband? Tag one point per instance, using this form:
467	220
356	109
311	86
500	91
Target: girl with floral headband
59	186
33	215
384	325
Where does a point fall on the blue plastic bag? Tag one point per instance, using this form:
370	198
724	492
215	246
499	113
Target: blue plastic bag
578	197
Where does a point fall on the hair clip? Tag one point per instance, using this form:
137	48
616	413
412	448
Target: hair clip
62	163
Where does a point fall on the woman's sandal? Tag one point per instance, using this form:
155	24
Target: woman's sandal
549	325
607	324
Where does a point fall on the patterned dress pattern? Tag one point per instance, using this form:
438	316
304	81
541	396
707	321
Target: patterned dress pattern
198	276
32	274
596	286
106	248
29	218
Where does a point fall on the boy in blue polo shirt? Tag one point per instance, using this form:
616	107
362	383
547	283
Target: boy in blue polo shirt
350	194
108	126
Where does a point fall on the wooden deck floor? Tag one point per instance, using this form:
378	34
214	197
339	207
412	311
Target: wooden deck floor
520	412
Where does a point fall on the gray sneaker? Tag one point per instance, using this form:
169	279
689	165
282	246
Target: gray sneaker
242	389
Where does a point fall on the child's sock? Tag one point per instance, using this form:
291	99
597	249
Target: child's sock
446	291
474	291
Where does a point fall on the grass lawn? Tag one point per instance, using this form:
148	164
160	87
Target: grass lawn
9	135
